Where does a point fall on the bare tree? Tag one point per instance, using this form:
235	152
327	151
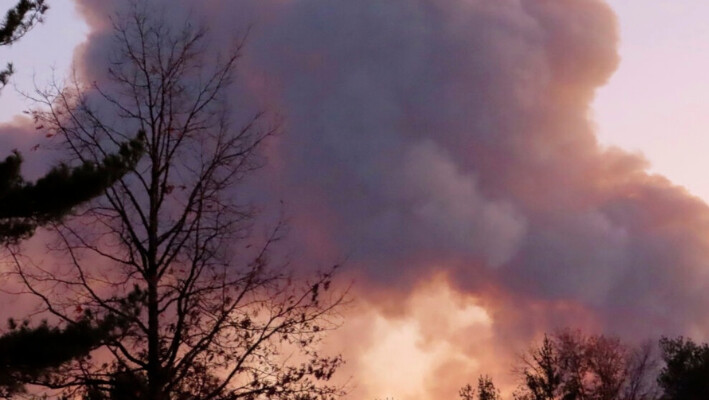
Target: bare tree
571	365
643	370
169	251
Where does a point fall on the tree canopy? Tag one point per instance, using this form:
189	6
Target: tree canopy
685	374
569	365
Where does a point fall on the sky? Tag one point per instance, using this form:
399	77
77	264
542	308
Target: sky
45	52
656	101
491	169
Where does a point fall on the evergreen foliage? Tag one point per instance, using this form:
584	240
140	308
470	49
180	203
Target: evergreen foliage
18	21
26	205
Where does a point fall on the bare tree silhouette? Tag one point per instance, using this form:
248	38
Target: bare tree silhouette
169	251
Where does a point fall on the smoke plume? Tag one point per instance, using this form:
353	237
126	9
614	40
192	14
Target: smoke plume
445	148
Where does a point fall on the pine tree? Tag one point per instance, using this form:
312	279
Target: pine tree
487	389
26	205
29	353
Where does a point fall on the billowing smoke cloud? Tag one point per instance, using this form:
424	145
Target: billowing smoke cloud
455	135
452	138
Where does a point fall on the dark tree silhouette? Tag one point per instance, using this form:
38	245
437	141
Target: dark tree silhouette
17	22
26	205
20	19
169	250
541	372
486	390
467	392
27	353
573	366
641	381
685	374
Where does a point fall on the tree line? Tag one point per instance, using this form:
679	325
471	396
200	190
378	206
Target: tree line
570	365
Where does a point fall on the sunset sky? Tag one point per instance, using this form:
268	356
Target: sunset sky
490	169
